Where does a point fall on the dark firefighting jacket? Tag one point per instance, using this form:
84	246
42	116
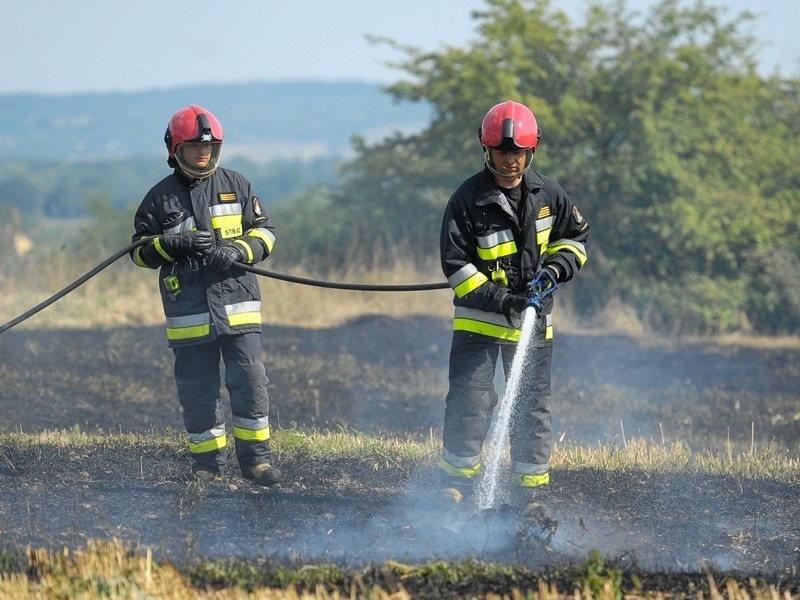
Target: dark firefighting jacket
488	251
199	303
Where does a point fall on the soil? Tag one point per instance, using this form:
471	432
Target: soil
387	376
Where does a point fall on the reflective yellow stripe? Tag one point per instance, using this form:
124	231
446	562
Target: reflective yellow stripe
228	225
244	313
248	318
454	471
542	237
490	329
576	248
471	284
466	279
496	244
265	235
137	259
161	251
189	326
543	226
186	333
248	251
487	323
496	252
207	445
251	435
526	480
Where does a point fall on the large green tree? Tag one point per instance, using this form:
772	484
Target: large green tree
684	158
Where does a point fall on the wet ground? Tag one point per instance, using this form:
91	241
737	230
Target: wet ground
388	376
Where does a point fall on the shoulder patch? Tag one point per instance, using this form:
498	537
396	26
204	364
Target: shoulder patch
576	214
227	196
257	207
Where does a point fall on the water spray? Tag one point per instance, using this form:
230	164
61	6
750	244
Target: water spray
542	285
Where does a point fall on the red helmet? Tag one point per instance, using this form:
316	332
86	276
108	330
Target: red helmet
193	124
510	126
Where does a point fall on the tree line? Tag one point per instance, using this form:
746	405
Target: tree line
684	159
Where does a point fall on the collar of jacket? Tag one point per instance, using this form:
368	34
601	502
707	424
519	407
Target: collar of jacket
488	192
185	180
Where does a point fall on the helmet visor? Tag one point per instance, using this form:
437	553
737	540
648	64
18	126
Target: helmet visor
198	159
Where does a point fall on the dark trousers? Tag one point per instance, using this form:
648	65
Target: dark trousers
198	379
472	398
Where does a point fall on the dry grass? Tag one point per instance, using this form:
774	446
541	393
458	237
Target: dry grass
124	294
310	306
635	453
110	570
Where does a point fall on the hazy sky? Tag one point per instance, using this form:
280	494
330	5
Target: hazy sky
49	46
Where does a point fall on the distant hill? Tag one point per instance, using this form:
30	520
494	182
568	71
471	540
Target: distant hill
262	121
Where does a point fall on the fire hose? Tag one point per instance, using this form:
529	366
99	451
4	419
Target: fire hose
416	287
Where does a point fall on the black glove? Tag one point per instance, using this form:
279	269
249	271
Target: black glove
513	305
221	259
193	243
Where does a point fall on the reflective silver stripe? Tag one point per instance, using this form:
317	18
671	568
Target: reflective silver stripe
522	468
243	307
188	320
546	223
251	430
495	239
474	280
496	245
187	225
210	434
544	227
462	462
474	314
253	424
244	313
462	275
223	210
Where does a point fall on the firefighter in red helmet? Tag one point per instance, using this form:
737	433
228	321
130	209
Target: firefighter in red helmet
200	222
503	228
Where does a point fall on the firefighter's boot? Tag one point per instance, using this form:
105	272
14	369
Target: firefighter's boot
457	484
531	496
205	475
263	474
530	489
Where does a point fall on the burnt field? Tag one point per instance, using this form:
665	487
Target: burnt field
387	377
